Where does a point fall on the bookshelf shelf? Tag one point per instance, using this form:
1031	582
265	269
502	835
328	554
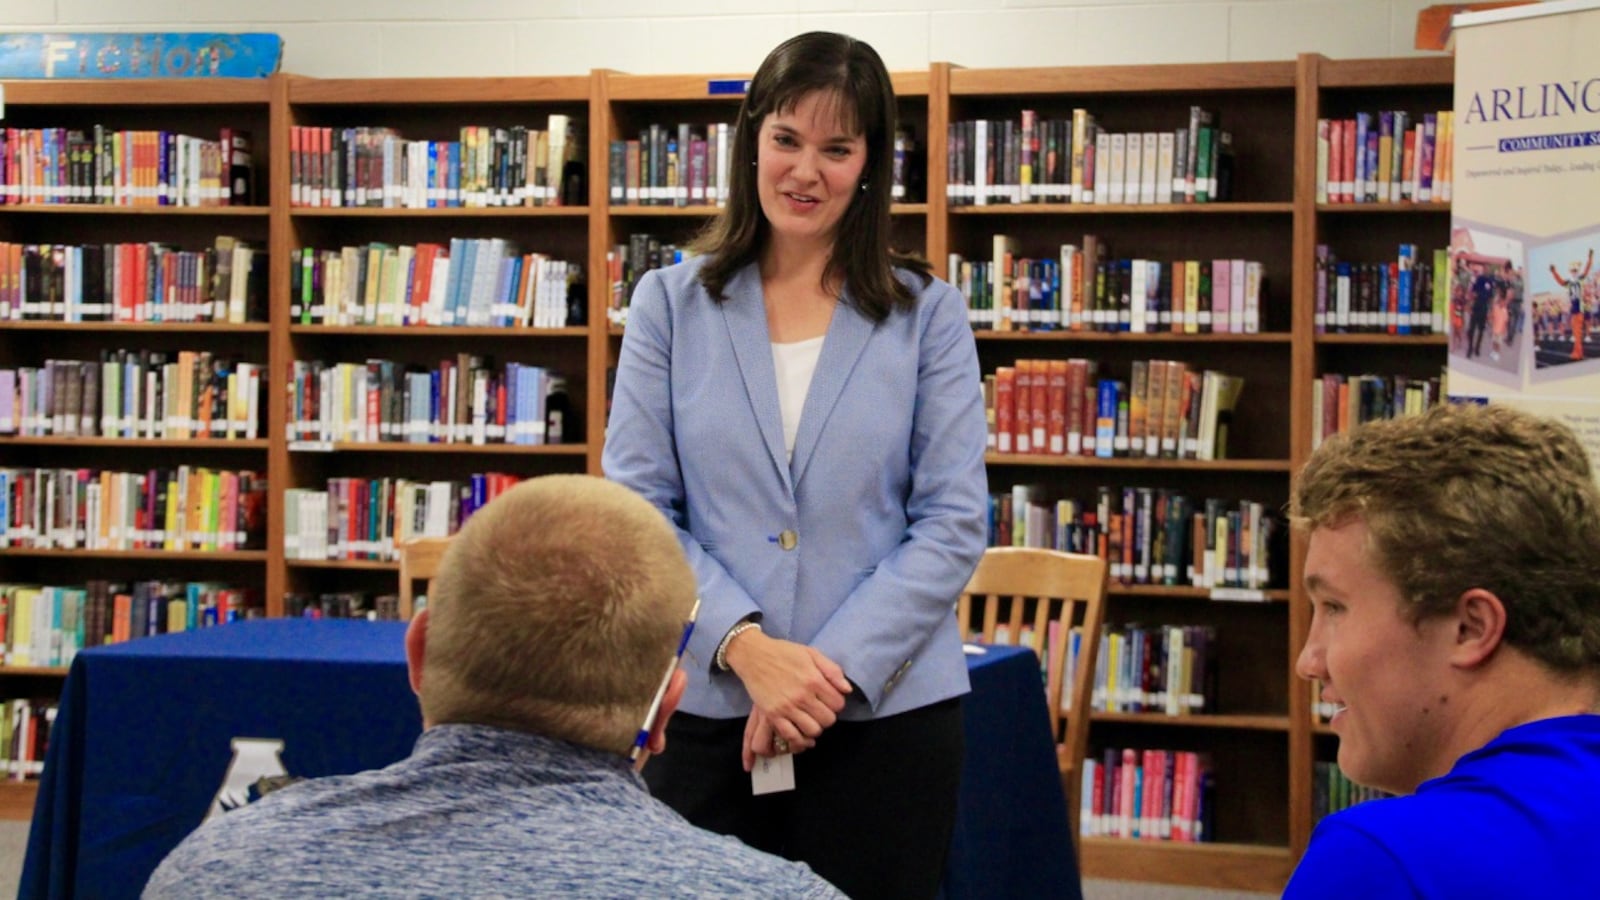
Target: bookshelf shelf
1386	340
1157	337
1123	462
354	565
97	209
1271	595
1393	207
234	556
137	443
378	92
1239	867
1401	72
435	331
706	211
445	449
154	92
1235	722
447	212
16	800
1096	81
35	671
1321	728
140	327
1148	209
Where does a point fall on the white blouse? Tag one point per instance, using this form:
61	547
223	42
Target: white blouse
795	364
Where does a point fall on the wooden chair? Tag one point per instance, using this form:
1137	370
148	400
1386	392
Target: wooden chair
1024	590
419	561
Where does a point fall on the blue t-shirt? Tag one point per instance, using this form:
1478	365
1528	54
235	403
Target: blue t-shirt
1513	818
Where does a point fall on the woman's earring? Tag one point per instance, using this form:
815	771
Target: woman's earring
863	185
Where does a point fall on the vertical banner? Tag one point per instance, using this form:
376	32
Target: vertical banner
1525	216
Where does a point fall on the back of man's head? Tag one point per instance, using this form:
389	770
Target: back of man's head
1468	496
554	610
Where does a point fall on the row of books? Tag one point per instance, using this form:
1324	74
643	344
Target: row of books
136	282
462	401
1076	161
368	518
487	166
682	165
472	281
1057	407
134	394
1332	791
1341	402
46	625
687	165
1404	296
626	263
1387	157
1149	535
1151	795
182	508
1081	289
342	605
25	736
1169	669
120	167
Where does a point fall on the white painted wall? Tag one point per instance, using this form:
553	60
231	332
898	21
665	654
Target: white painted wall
391	38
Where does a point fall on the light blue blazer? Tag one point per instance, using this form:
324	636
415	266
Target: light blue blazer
858	547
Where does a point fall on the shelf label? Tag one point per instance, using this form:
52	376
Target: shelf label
727	86
311	446
1238	595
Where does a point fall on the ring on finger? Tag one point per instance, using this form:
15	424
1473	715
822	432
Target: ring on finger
780	744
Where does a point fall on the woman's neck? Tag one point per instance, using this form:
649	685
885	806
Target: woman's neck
794	263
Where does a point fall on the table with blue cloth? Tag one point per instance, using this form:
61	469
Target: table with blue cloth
145	734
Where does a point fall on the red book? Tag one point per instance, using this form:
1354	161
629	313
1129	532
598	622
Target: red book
1005	420
1058	378
1024	406
1039	420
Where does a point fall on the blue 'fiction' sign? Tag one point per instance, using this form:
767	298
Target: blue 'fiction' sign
139	55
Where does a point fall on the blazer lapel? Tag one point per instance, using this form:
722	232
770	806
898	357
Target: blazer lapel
848	332
746	317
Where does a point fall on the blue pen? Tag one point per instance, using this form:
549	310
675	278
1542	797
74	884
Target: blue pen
661	691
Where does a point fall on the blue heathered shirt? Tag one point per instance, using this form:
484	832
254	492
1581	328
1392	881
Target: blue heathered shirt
1511	819
473	812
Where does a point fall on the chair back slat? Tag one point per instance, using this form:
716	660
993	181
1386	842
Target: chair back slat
419	561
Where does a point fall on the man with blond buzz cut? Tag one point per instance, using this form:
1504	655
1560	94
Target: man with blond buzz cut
1454	576
550	635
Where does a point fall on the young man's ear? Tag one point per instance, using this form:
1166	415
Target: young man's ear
1480	620
416	648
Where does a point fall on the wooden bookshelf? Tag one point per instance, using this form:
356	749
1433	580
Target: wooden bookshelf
1364	231
201	108
1237	867
1261	734
435	110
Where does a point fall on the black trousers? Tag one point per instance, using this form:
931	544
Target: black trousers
873	807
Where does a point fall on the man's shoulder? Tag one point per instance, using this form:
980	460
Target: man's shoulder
724	866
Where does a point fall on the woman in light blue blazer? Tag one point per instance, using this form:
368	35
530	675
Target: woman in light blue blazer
806	407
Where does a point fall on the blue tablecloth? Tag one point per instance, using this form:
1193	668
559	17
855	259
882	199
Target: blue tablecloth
143	740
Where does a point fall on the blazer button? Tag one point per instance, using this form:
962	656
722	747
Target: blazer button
787	539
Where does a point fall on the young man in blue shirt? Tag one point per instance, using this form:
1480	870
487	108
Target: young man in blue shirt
1454	575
